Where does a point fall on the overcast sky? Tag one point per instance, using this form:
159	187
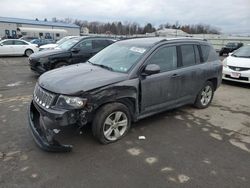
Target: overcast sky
231	16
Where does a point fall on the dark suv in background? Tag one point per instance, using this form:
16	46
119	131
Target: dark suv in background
127	81
230	47
72	51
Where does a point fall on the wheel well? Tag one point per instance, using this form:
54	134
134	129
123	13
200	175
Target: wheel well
55	63
129	102
28	49
214	82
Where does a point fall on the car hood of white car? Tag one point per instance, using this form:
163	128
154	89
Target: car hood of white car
238	61
49	46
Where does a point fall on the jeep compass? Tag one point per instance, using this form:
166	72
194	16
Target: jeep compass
127	81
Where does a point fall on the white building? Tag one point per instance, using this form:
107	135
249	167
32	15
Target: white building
84	31
171	33
16	27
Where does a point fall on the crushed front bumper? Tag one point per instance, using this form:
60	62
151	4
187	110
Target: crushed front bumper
43	136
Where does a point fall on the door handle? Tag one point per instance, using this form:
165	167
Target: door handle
175	76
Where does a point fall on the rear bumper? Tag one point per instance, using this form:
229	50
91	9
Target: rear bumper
43	136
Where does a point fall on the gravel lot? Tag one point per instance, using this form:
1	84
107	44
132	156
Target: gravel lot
185	147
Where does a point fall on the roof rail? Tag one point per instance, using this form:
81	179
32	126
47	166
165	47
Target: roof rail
163	40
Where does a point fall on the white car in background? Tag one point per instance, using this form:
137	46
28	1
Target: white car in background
236	67
52	46
17	47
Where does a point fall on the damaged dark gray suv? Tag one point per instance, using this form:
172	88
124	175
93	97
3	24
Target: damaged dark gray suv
125	82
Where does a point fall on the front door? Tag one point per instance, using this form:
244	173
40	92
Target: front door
159	91
6	47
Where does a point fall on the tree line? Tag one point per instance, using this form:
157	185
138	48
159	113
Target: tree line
128	28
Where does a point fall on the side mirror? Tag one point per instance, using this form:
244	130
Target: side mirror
151	69
1	44
75	50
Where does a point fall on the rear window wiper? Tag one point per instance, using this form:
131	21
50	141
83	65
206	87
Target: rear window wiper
102	66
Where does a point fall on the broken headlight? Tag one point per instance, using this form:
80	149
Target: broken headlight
69	102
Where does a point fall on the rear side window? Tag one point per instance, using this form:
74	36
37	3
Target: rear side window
100	44
197	54
188	55
208	53
17	42
166	58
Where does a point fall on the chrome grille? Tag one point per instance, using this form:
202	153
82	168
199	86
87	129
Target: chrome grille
42	97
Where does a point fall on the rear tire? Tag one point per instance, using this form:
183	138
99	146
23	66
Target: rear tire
28	52
111	123
205	96
60	64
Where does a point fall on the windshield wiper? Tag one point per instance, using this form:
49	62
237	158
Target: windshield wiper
102	66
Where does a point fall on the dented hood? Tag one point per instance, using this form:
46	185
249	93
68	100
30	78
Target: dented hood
78	78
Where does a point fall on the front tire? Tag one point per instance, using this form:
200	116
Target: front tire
205	96
111	123
28	52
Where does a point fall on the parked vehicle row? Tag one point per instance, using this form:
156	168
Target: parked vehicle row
236	67
123	83
72	51
11	48
230	47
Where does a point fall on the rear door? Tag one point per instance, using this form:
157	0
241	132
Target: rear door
190	72
158	91
19	47
6	47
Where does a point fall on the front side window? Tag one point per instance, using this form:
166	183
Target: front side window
99	44
165	57
87	44
8	42
119	57
188	55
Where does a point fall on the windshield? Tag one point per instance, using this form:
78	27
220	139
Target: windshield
242	52
34	41
231	45
69	43
62	40
118	57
